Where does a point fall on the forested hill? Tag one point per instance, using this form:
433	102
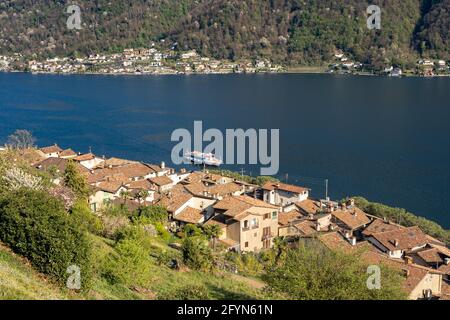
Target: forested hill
286	31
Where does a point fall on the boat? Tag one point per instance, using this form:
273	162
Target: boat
197	157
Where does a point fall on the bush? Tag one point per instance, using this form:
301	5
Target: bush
84	217
35	225
151	215
248	264
195	292
162	232
111	224
129	265
196	253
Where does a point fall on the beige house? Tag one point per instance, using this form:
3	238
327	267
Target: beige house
248	224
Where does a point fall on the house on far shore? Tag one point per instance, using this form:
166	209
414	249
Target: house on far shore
281	194
50	151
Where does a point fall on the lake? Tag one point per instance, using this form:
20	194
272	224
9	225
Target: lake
385	139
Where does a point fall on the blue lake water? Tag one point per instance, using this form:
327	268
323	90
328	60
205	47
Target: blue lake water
383	138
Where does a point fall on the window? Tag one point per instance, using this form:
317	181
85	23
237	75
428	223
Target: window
255	234
246	244
245	224
274	215
266	216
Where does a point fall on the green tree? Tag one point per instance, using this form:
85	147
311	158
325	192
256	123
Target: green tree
74	180
36	226
212	232
196	253
313	272
151	215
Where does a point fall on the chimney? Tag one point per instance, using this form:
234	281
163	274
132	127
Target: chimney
317	227
406	272
394	242
347	235
447	261
163	165
353	241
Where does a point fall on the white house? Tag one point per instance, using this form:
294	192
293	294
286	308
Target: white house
282	194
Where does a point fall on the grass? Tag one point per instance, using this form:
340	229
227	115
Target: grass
18	280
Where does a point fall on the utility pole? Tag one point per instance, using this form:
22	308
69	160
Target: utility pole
242	173
326	189
287	177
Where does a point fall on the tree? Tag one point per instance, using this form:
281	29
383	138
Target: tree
196	253
212	232
151	215
21	139
36	226
74	180
16	178
313	272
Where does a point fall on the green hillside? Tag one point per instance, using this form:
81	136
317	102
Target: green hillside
305	32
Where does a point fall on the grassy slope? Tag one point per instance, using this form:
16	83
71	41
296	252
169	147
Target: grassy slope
18	280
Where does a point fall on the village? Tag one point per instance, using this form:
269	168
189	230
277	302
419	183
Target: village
252	216
154	60
138	61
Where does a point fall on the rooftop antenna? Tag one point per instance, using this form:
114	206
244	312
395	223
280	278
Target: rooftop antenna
90	149
287	177
326	190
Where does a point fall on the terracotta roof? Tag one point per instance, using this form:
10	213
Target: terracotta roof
306	227
309	206
407	238
284	187
115	162
353	217
109	186
161	181
196	188
174	201
219	220
59	163
431	255
285	218
378	225
334	240
51	149
236	205
67	153
130	171
140	184
189	215
195	177
85	157
224	189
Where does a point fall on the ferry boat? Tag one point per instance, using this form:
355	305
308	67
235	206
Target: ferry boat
197	157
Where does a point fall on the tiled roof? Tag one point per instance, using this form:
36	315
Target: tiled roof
189	215
51	149
430	255
406	238
109	186
59	163
378	225
284	218
309	206
67	153
353	217
224	189
85	157
284	187
161	181
306	227
174	201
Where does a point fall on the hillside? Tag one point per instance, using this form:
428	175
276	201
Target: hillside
18	280
305	32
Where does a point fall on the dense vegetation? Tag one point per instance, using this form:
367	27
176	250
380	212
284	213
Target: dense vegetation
286	31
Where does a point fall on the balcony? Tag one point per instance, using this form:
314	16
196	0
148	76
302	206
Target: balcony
250	228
